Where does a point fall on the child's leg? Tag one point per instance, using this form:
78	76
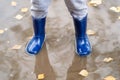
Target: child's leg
39	11
77	8
39	8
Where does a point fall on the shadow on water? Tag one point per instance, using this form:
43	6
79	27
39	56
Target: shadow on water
42	65
78	64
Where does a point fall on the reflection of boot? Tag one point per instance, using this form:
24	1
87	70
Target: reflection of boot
83	47
43	65
36	43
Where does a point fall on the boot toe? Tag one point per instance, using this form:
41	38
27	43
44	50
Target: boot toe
32	50
82	52
35	45
83	47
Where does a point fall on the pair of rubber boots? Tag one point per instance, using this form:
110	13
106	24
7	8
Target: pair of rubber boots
83	47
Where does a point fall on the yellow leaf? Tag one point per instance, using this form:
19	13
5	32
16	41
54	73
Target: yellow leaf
29	38
6	29
16	47
118	8
110	78
58	40
83	73
1	31
115	9
119	17
95	2
8	42
18	17
90	32
13	3
41	76
109	59
24	10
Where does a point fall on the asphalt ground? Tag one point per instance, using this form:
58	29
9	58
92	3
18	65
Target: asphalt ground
58	60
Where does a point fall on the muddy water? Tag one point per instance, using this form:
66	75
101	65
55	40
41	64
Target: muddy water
58	60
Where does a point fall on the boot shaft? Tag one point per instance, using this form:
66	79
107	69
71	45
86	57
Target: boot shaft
80	26
39	26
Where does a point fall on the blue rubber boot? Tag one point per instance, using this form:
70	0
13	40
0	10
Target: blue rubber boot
83	47
36	43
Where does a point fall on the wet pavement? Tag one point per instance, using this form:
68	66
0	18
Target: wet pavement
58	60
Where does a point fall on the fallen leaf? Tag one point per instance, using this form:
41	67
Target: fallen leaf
41	76
18	17
8	42
115	9
6	29
90	32
1	31
83	73
118	8
119	17
29	38
109	59
95	2
11	75
16	47
110	78
58	40
13	3
24	10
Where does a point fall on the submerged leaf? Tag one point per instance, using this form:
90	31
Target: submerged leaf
13	3
1	31
119	17
41	76
18	17
90	32
24	10
6	29
110	78
16	47
95	2
115	9
83	73
109	59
